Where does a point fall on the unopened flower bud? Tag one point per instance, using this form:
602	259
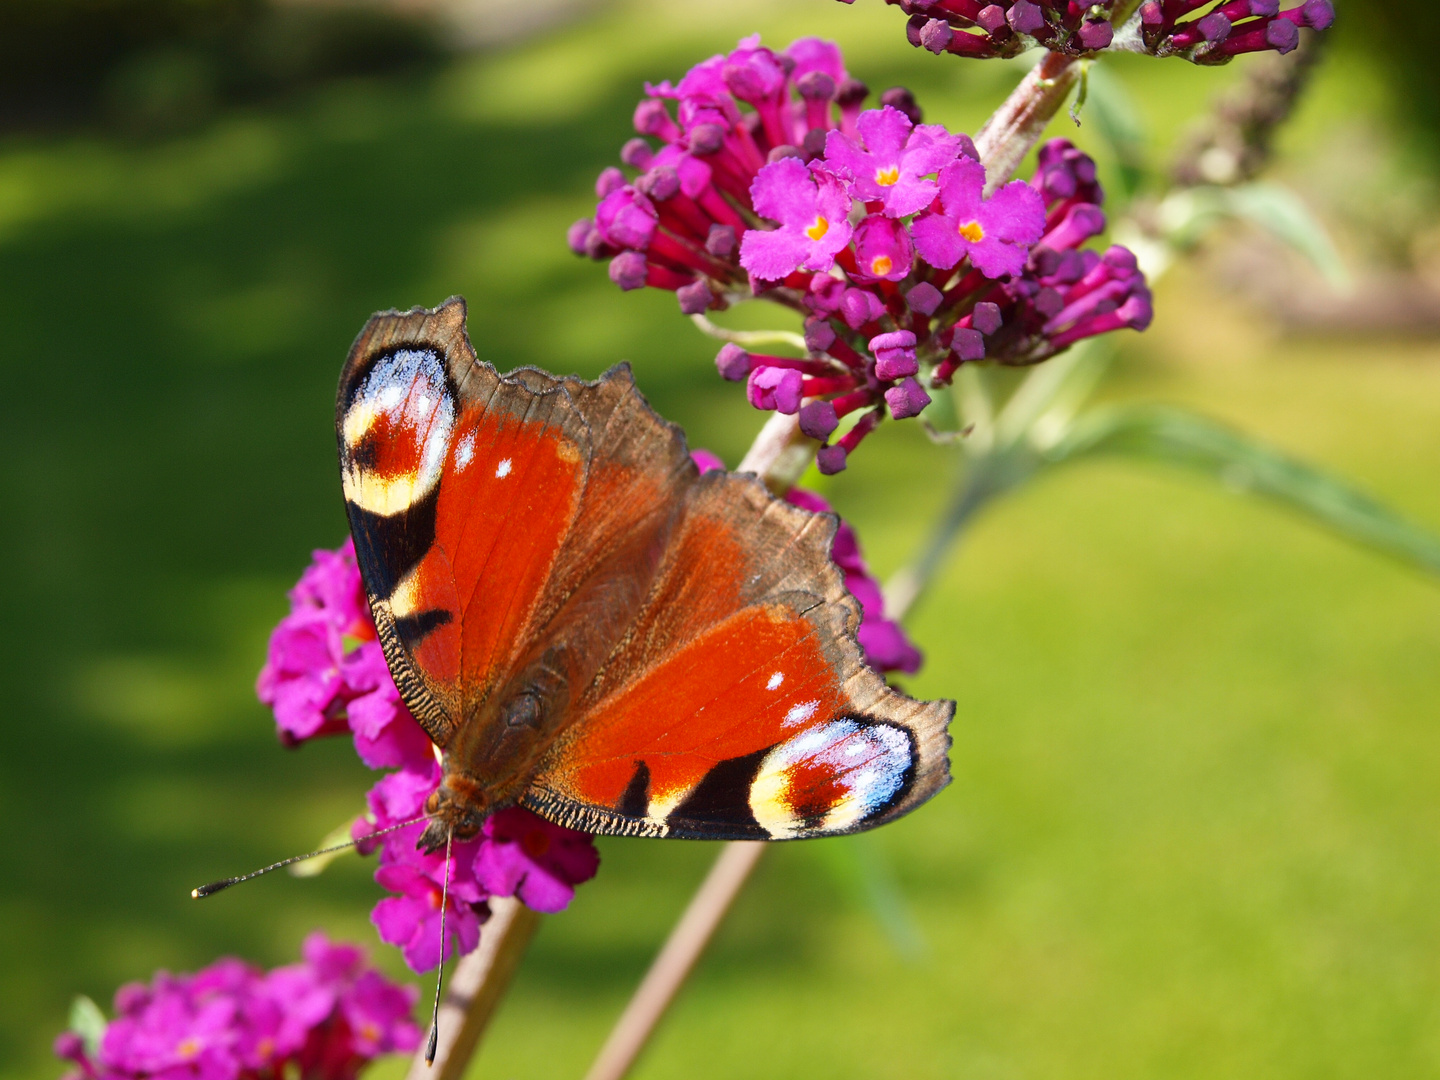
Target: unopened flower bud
818	419
695	298
906	400
733	362
628	270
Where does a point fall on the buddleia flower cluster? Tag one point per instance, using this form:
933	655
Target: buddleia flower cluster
325	674
771	179
1183	28
321	1019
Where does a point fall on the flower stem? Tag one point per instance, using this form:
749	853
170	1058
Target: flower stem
477	984
780	454
749	337
677	959
1018	124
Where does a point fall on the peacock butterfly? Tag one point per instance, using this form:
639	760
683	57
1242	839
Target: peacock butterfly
589	627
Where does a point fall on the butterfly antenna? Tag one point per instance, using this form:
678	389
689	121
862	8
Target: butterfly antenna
225	883
440	971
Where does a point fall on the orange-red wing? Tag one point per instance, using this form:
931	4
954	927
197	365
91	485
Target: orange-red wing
738	705
461	487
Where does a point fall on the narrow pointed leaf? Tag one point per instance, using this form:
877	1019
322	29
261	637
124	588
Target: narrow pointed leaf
865	875
313	867
87	1021
1281	212
1242	463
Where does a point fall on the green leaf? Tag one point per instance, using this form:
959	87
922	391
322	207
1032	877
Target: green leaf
864	874
314	866
1186	215
1050	394
1177	437
1282	213
1081	92
87	1021
1119	123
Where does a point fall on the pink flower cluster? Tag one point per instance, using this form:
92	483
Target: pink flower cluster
884	642
1227	29
326	674
772	181
981	28
321	1019
516	854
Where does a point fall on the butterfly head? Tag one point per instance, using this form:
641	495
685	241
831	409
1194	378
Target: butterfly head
458	807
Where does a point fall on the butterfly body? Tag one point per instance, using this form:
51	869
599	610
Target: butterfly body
586	625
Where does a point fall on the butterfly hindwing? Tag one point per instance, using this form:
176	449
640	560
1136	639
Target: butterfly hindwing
739	706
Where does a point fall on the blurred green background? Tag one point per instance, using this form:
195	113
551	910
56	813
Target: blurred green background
1193	829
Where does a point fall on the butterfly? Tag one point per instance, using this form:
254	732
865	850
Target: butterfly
587	626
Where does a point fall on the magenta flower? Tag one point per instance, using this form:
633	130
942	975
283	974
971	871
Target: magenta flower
995	233
315	687
883	251
812	54
890	163
386	735
884	642
411	920
812	207
769	157
706	461
626	219
1002	28
525	856
894	355
301	677
331	584
322	1019
775	388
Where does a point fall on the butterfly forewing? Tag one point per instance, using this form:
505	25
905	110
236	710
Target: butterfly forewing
461	488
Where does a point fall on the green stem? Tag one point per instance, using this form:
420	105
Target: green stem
985	477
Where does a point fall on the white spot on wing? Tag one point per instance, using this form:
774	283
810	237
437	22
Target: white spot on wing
465	452
503	469
800	713
775	681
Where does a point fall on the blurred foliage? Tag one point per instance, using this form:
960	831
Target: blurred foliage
152	67
1403	33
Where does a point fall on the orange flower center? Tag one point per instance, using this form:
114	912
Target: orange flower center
972	231
818	230
887	177
188	1048
880	265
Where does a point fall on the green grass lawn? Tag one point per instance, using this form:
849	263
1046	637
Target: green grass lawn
1195	824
